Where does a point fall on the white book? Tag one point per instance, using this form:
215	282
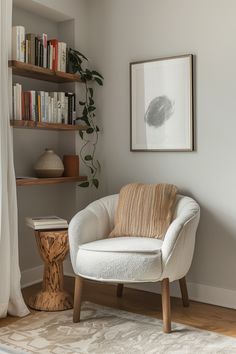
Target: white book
46	107
26	51
61	107
59	57
46	222
55	107
14	102
18	102
52	109
51	55
45	40
42	108
33	105
66	110
63	57
18	43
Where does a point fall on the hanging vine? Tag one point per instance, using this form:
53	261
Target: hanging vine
88	117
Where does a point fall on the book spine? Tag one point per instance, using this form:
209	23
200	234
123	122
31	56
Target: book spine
48	55
41	54
59	57
39	107
66	110
18	102
32	106
26	51
42	107
74	108
51	56
32	49
54	43
63	57
62	99
46	106
18	43
36	52
44	43
14	102
23	105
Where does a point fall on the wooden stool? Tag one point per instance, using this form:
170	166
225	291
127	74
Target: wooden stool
53	247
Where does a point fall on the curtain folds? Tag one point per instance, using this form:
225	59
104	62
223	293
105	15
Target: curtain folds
11	300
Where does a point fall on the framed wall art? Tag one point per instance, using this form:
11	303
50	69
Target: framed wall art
161	99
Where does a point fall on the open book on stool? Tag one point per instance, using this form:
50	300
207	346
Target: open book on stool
46	223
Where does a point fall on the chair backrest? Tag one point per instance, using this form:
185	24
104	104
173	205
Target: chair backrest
185	208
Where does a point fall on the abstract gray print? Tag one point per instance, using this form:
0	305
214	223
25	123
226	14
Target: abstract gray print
159	110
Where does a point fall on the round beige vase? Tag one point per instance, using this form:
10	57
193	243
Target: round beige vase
49	165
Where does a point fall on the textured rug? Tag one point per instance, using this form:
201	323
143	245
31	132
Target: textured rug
108	331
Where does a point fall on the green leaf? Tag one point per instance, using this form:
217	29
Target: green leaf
81	134
88	158
91	169
97	129
85	120
85	111
89	130
95	182
91	108
99	81
95	73
91	91
91	101
82	103
76	52
84	184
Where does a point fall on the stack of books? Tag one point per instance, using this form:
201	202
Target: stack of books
41	106
46	223
38	50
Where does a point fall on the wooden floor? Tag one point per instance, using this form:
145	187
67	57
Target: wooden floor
208	317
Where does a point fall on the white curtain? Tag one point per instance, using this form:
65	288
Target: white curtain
11	300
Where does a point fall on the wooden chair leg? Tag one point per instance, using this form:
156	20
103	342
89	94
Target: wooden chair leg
184	292
166	312
77	298
119	290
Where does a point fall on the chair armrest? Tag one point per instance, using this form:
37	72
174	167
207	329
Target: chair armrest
91	224
178	245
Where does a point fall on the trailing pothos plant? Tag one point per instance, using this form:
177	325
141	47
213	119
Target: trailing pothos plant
88	117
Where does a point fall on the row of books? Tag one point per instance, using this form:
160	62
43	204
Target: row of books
41	106
38	50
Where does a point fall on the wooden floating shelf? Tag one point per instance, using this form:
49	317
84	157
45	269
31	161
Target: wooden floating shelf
39	73
44	181
27	124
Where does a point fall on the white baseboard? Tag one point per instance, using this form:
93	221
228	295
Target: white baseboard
31	276
197	292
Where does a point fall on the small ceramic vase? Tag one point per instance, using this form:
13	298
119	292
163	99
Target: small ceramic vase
49	165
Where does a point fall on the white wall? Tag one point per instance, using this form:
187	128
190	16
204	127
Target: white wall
122	31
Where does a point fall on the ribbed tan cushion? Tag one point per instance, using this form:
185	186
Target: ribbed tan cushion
144	210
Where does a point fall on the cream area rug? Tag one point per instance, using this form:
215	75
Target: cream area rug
107	331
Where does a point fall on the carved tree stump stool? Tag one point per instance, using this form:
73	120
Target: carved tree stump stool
53	247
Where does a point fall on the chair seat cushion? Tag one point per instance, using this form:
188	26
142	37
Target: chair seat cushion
125	244
122	259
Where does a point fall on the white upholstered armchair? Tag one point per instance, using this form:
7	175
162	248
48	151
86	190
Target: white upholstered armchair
132	259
